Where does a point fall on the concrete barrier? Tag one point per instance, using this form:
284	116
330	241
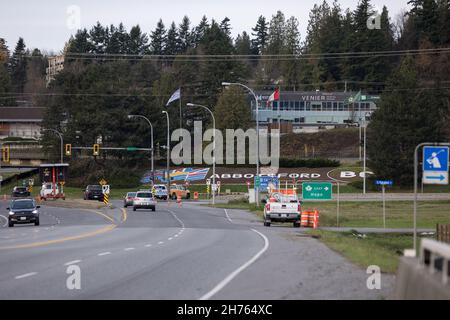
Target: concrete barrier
426	278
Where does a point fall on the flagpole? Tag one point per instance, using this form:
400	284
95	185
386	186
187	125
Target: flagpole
279	104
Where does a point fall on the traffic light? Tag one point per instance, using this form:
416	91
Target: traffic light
5	153
96	149
68	149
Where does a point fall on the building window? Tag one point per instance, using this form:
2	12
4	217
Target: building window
324	106
308	106
292	106
302	106
297	105
329	106
316	106
341	106
275	106
335	106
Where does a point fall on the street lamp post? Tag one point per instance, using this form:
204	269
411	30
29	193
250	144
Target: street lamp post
168	154
214	145
226	84
131	116
62	142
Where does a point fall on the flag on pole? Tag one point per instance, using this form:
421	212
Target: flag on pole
175	96
274	96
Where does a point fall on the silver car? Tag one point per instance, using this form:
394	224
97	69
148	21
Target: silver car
128	200
144	200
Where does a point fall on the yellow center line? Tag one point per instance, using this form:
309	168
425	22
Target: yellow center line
124	215
76	237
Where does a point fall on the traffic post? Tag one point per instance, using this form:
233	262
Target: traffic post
106	190
434	171
383	184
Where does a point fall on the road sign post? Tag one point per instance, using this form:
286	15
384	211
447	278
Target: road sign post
383	184
439	161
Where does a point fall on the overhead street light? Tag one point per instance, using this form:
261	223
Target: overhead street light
214	146
227	84
136	116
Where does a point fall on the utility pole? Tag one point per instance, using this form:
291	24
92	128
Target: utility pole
168	155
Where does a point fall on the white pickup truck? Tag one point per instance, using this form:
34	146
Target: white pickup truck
282	207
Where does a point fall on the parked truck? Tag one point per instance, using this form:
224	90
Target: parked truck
282	206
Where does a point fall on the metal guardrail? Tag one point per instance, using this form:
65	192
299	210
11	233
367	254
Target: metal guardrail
435	256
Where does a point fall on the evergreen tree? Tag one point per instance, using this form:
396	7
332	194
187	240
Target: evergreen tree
200	31
232	110
138	43
184	34
18	66
243	46
260	33
290	67
158	39
173	42
99	37
406	117
80	43
225	26
4	52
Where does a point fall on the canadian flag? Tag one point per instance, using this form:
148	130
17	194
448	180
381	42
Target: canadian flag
274	96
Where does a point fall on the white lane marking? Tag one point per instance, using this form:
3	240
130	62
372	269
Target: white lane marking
72	262
178	219
161	242
176	235
228	217
128	249
232	275
170	239
6	219
148	245
104	253
25	275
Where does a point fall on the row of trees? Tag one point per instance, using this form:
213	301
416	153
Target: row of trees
107	76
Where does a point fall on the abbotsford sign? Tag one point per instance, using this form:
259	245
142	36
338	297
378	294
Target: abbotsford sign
243	175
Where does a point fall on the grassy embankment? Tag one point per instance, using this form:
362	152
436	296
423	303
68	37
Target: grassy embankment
382	250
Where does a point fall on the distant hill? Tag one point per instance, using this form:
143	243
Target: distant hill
335	143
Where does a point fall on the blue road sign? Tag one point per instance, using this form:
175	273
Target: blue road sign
435	165
435	159
384	182
265	181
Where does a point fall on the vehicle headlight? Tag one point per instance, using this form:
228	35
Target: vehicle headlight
11	213
35	212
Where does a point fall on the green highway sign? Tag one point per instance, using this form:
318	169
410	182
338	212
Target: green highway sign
317	190
257	181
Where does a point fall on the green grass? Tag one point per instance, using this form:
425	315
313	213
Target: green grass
382	250
399	214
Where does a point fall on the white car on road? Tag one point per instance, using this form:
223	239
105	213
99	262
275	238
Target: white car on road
144	200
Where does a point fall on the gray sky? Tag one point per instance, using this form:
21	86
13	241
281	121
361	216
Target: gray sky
44	24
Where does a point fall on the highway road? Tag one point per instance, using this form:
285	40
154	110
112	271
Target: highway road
192	252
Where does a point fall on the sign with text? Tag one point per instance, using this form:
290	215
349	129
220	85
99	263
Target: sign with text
317	190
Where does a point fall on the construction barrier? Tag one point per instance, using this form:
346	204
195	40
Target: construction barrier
310	219
179	200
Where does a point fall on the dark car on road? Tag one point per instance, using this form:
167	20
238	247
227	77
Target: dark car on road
20	192
93	192
23	211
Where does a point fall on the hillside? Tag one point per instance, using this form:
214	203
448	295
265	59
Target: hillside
335	143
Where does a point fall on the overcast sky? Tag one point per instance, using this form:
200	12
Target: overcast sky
46	24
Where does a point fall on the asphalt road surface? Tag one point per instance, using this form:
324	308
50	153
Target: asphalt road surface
192	252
